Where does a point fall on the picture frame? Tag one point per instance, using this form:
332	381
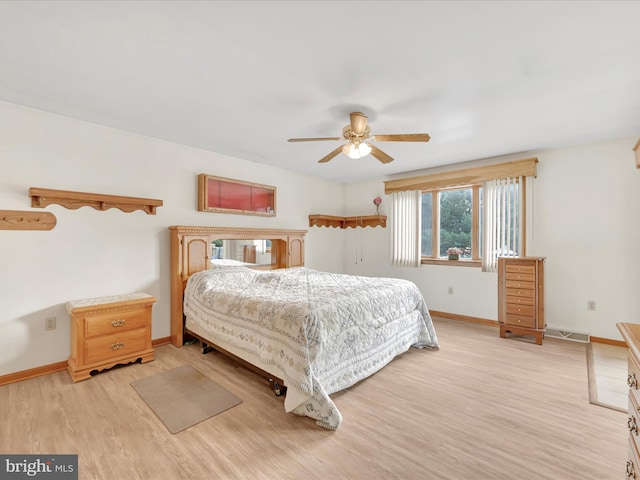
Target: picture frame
226	195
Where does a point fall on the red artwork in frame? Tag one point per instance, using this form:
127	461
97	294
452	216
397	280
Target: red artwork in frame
225	195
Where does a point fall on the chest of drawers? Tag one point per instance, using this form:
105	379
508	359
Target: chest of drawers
109	331
521	296
631	334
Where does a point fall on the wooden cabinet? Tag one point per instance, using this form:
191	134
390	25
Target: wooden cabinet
631	334
521	296
108	331
296	252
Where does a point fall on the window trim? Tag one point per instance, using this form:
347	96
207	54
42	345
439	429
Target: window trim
464	177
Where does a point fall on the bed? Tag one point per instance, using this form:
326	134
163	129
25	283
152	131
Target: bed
316	332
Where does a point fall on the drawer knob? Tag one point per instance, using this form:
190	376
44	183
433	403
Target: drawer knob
118	323
631	472
117	346
632	381
631	425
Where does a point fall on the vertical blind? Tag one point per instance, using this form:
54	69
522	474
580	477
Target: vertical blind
406	230
502	223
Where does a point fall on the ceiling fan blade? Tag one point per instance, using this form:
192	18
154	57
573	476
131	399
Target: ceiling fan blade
313	139
380	155
331	155
358	123
403	137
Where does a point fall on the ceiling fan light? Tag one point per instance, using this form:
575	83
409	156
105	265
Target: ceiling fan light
356	151
365	149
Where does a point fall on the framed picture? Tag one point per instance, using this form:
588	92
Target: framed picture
225	195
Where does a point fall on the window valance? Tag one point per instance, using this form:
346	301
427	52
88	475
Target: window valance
468	176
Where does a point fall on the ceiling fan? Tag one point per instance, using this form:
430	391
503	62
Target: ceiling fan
358	134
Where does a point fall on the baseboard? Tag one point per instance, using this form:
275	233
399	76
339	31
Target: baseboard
33	372
160	341
494	323
464	318
608	341
55	367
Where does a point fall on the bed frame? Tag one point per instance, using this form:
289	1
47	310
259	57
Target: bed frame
191	253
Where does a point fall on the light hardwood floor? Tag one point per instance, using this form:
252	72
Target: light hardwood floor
479	408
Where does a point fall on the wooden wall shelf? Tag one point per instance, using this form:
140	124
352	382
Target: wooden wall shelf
41	197
344	222
17	220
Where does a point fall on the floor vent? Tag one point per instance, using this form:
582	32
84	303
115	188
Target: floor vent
567	335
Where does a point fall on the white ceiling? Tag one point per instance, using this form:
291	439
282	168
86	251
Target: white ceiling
482	78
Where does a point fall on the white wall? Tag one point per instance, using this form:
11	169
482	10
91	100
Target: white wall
583	217
94	253
584	220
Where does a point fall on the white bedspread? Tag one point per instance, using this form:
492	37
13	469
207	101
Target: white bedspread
323	331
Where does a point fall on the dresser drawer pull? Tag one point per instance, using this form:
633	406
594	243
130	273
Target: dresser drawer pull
631	381
631	471
118	323
117	346
631	425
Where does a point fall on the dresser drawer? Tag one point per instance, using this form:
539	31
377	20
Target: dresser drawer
509	268
518	292
518	285
528	322
107	347
520	300
633	376
106	324
633	462
520	277
633	420
522	310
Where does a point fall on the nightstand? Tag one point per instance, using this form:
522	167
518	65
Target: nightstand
108	331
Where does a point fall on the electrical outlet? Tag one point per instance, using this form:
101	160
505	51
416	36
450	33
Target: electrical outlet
50	323
591	305
450	290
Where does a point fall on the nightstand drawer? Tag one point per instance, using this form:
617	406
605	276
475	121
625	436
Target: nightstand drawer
112	346
115	322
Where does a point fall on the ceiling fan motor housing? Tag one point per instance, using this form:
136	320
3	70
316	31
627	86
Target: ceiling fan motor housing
349	134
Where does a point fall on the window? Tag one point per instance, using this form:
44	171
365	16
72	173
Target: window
479	210
459	210
456	211
427	224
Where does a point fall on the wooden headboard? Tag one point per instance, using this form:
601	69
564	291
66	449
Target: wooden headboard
191	253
